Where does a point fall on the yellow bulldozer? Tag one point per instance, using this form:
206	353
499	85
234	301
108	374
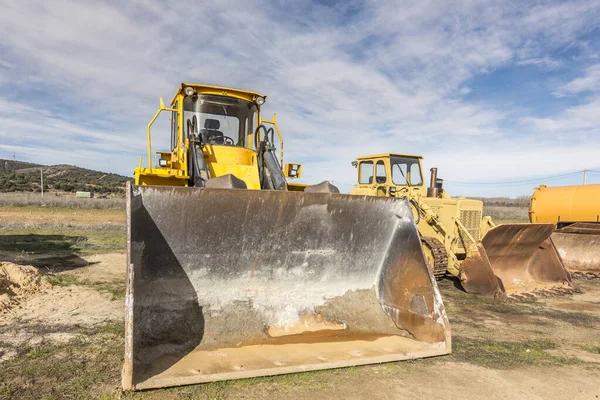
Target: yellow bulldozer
575	210
234	271
517	260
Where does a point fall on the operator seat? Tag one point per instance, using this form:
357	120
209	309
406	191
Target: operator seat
211	132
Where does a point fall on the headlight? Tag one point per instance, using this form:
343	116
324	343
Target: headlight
260	101
162	162
188	90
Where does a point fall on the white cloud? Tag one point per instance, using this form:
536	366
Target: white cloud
395	77
590	82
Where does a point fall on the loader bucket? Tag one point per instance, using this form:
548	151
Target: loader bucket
578	246
516	260
227	284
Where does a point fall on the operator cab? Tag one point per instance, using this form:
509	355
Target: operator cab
219	120
383	174
391	169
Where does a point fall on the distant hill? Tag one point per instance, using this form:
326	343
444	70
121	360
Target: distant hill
20	176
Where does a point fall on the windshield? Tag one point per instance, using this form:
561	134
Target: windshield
406	171
219	119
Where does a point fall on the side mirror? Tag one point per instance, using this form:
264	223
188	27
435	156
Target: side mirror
355	164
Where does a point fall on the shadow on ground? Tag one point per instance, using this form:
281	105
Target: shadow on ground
55	253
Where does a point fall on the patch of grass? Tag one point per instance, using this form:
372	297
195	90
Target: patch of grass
120	210
78	369
62	240
591	348
38	351
115	328
222	389
536	309
576	318
116	290
63	280
6	390
459	303
505	355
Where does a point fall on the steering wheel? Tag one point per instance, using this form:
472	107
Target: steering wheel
228	141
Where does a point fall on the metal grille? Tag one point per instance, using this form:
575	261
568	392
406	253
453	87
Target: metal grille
471	219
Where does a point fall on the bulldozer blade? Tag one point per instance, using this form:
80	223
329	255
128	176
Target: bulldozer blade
476	274
226	284
578	244
523	260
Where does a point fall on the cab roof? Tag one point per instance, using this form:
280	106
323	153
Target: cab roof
386	155
219	90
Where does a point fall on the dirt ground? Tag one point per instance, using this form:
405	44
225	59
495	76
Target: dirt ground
66	341
60	216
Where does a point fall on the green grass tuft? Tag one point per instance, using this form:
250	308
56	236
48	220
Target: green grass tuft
38	351
116	290
591	348
506	355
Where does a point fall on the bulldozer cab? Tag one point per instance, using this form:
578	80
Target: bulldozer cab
387	174
215	131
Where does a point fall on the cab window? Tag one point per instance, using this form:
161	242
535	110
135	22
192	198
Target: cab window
415	175
365	172
406	171
380	172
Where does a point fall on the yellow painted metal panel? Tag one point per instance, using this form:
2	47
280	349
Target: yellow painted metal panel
580	203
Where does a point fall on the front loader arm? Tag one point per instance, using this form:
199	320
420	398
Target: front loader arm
432	218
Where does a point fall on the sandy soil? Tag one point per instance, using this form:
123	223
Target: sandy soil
17	282
109	267
43	313
67	217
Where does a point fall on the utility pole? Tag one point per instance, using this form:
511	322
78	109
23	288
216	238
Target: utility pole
42	180
584	175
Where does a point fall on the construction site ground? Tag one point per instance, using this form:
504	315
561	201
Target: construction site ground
63	338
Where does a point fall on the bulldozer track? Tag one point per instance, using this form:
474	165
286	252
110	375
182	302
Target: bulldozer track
585	275
440	257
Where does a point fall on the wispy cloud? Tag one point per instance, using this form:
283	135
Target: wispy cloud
347	79
590	82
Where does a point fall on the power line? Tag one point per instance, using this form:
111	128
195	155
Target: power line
552	177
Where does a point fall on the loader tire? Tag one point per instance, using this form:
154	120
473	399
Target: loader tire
435	255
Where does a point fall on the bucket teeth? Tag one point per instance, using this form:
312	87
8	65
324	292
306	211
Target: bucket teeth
551	292
585	275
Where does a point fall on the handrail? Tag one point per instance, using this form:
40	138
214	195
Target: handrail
161	109
274	123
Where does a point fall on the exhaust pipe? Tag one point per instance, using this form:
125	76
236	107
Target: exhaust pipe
432	190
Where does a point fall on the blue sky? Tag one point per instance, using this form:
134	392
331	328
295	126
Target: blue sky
486	91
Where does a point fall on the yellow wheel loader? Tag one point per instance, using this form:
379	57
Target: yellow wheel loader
235	272
517	260
575	210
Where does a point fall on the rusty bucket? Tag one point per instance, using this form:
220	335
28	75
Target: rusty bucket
227	284
516	260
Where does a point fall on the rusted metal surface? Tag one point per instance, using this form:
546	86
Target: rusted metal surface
227	284
516	260
477	276
578	246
